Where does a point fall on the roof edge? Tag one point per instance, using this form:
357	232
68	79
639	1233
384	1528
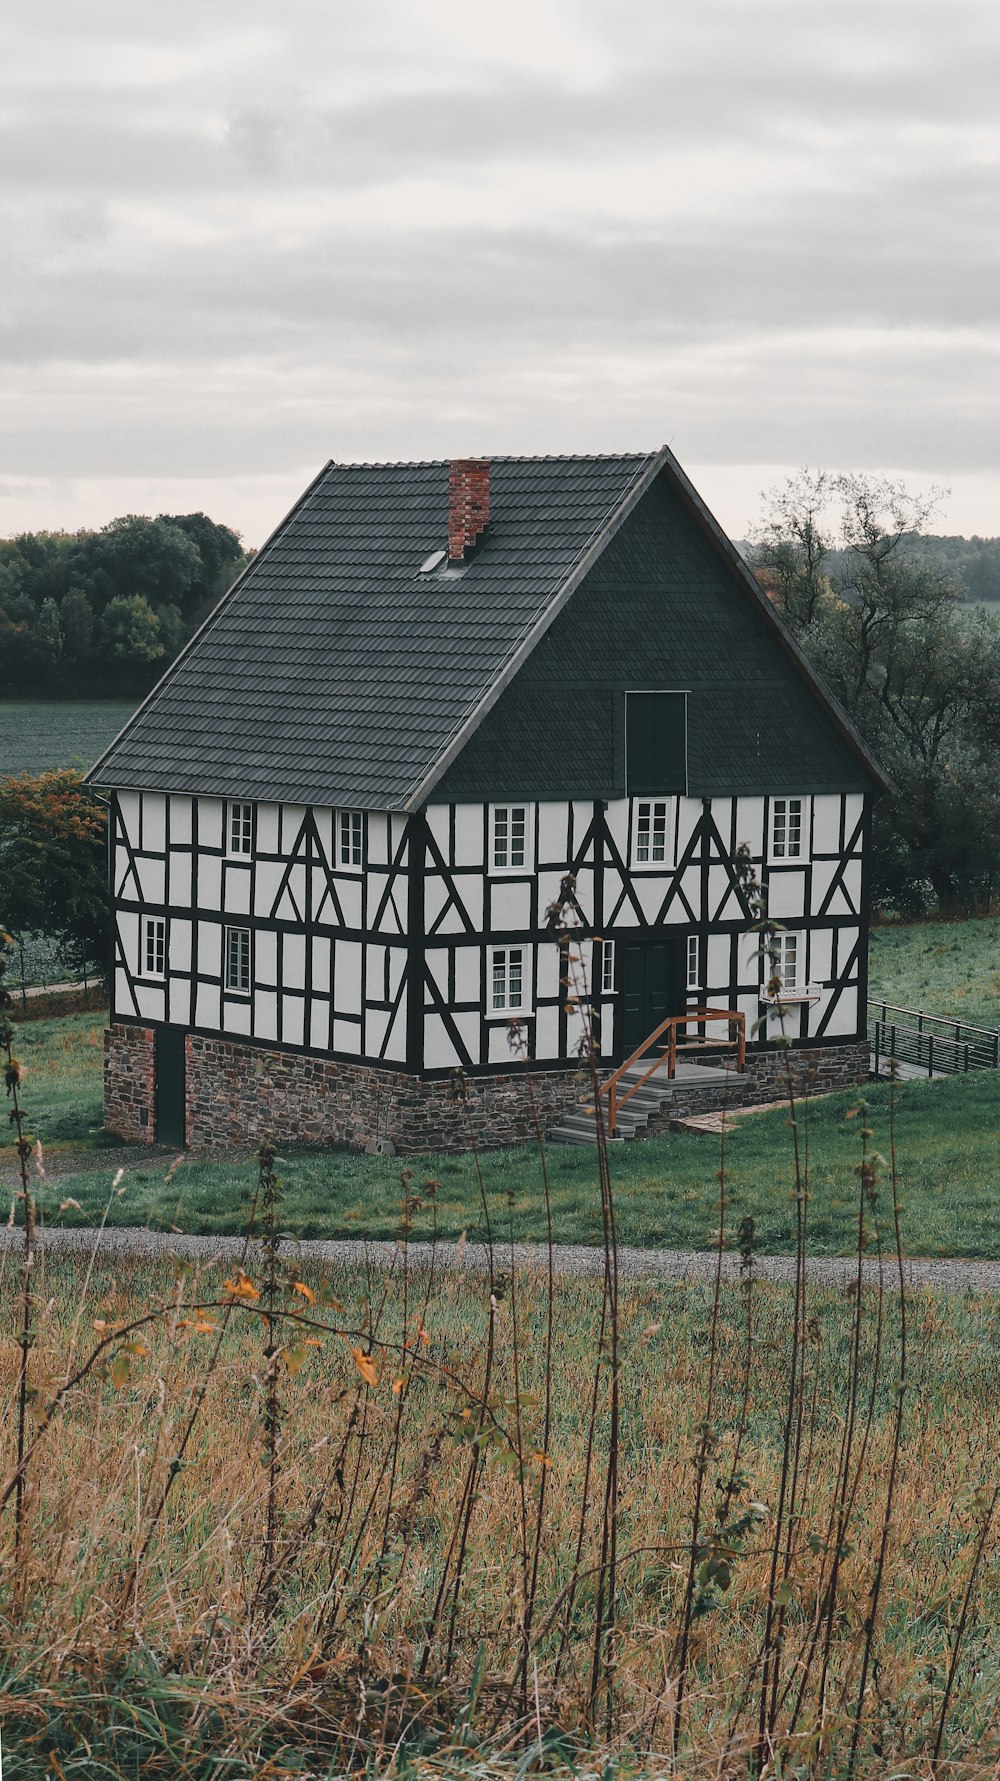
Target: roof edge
92	776
593	551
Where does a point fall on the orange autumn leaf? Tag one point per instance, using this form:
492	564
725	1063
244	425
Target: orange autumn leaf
365	1365
307	1293
241	1287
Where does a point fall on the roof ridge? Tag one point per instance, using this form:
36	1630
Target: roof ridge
549	457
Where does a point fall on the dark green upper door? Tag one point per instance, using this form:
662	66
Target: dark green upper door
651	988
170	1108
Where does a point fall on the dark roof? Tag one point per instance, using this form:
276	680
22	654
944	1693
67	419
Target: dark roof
335	673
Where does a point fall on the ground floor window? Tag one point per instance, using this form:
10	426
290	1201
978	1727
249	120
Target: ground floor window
507	989
238	961
608	967
693	962
789	958
154	945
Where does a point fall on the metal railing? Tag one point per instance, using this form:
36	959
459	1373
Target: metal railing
930	1042
737	1041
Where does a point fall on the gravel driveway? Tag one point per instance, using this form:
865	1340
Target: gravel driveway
634	1264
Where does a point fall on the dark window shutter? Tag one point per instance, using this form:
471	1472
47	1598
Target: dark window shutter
655	743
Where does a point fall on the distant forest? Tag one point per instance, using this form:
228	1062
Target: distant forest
102	614
972	563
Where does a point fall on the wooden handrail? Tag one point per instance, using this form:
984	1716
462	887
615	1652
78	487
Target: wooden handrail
697	1017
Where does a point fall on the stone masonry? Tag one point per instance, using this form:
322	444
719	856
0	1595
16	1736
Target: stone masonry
238	1094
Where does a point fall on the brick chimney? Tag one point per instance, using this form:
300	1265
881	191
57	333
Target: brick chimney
468	504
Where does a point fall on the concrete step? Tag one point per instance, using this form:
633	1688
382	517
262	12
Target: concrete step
563	1134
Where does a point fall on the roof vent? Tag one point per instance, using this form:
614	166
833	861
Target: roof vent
468	505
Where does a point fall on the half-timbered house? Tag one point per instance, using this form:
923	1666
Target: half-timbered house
437	692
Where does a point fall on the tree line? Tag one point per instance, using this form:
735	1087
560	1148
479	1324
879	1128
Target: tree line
916	666
103	613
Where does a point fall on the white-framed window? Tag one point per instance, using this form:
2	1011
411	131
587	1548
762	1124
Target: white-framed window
607	967
789	963
154	945
510	838
239	829
507	987
693	961
652	840
237	944
351	824
786	828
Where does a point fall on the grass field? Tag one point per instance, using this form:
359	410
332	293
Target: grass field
302	1602
942	967
39	734
666	1188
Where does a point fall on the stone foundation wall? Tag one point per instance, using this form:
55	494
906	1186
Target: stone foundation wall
238	1094
130	1082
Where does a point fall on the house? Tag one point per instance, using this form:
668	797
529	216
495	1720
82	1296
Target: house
438	690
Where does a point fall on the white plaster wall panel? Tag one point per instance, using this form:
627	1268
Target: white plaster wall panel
128	930
293	1018
180	821
750	825
439	823
469	834
322	954
826	824
152	880
576	1026
548	891
551	833
397	969
236	1016
319	1025
350	893
209	881
786	894
154	822
688	816
510	905
151	999
852	883
847	940
396	832
267	882
715	961
470	890
436	895
853	807
439	1052
123	877
208	1006
395	1050
614	887
267	828
179	1002
723	902
820	955
210	822
616	823
179	944
293	961
498	1049
452	923
547	1032
265	1014
467	1027
323	823
376	1022
128	805
347	979
210	949
436	965
347	1038
291	904
547	971
265	956
822	877
236	890
844	1018
649	893
123	993
387	921
468	981
292	818
179	879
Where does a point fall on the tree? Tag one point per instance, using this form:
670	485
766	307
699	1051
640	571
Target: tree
53	840
130	630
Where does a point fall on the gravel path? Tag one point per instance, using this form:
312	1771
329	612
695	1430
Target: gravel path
634	1264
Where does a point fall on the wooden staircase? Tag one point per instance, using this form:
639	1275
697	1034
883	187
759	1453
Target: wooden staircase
652	1095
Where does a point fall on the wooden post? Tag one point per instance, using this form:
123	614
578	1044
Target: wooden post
672	1050
612	1107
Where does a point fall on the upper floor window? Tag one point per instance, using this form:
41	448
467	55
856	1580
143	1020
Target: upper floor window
693	962
154	945
240	829
507	990
655	744
786	828
788	961
510	838
237	943
351	837
651	837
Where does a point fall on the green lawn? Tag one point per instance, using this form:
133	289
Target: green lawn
39	734
947	1138
943	967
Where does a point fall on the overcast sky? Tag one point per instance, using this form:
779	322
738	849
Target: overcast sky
243	238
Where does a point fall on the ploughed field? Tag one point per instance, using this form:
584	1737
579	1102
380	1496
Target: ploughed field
392	1523
949	1167
40	734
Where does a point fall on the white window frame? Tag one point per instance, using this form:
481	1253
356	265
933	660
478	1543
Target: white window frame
647	809
153	940
607	978
800	989
350	840
505	821
692	962
499	960
778	841
239	830
237	988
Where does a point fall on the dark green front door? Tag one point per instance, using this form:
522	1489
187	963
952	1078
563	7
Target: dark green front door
170	1086
651	988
